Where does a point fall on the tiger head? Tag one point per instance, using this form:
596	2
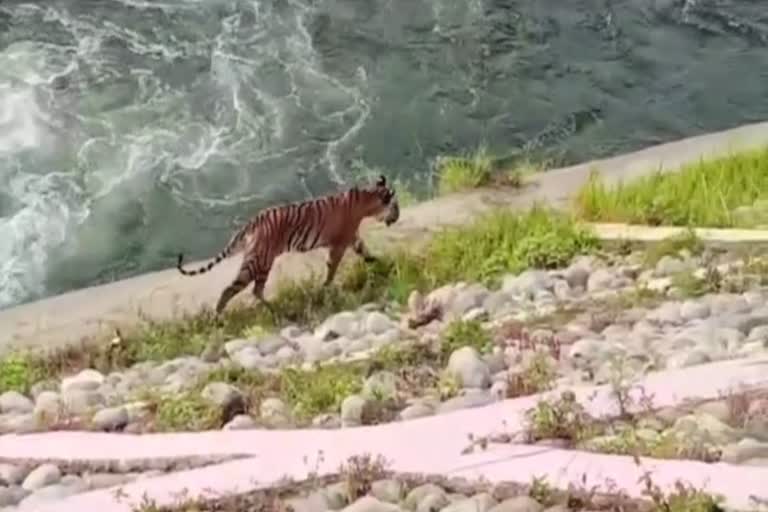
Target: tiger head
383	203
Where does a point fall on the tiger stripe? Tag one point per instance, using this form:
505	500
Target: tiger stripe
332	221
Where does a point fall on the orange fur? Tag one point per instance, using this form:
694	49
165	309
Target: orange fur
332	221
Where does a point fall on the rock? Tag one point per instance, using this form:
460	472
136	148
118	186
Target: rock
585	351
577	273
416	302
562	290
527	283
467	299
86	380
15	403
376	323
418	494
666	313
212	352
692	310
659	284
270	344
23	423
225	396
111	419
370	504
352	409
326	421
336	495
744	449
12	474
249	358
417	410
469	369
240	422
273	409
704	429
481	502
346	323
234	346
432	503
42	476
468	400
101	480
759	334
687	358
498	303
601	279
718	409
518	504
80	402
380	386
387	490
50	493
10	496
500	389
48	405
670	265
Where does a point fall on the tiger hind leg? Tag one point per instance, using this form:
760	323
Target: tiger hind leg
258	292
249	271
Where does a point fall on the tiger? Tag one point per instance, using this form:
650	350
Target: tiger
330	221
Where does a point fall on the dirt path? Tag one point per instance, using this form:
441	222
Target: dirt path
89	312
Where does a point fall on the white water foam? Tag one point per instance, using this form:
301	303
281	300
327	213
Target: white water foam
70	157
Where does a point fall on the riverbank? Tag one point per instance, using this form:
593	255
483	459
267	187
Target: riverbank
69	318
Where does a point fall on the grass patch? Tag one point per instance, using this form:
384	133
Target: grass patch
498	243
561	418
464	333
687	242
477	169
707	193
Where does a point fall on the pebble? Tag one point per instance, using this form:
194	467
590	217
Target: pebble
42	476
13	402
466	365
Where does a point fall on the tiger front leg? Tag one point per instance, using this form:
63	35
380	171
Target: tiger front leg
335	253
362	250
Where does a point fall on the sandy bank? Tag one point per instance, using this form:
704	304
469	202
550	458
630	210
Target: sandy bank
88	312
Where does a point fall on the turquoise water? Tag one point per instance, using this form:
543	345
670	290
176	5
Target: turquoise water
133	129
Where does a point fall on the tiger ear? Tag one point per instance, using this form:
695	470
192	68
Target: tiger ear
382	181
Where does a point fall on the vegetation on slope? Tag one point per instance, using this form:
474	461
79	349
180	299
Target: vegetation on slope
731	191
498	243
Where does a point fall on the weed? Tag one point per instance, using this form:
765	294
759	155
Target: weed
186	411
360	472
687	242
320	390
563	418
535	377
684	498
705	193
18	372
692	285
464	333
502	242
541	491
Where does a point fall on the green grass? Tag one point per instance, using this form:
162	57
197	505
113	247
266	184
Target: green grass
687	242
465	333
706	193
498	243
478	169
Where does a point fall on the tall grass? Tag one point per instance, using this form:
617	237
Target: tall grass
707	193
